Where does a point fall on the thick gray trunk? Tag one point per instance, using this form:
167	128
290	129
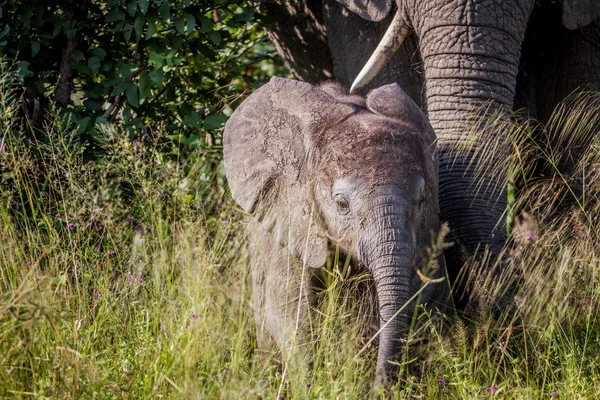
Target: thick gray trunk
471	70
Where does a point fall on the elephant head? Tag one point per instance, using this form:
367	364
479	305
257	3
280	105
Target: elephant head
468	52
317	168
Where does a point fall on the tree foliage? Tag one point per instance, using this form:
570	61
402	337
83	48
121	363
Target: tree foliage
177	65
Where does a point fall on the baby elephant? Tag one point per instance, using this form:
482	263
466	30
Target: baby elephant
317	169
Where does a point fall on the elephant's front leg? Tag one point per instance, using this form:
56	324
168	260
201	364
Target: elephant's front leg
282	290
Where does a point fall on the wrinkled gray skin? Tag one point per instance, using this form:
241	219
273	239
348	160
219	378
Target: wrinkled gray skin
459	55
317	168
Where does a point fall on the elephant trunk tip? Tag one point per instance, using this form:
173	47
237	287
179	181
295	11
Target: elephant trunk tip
390	43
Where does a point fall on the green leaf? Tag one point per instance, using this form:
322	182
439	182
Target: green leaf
207	25
24	71
143	4
115	16
94	63
120	88
193	120
190	21
133	95
157	76
35	48
145	84
151	30
101	120
138	25
132	7
5	31
165	10
127	31
180	25
76	55
244	16
215	37
99	52
214	121
126	70
193	140
156	59
82	124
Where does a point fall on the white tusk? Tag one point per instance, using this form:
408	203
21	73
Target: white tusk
390	43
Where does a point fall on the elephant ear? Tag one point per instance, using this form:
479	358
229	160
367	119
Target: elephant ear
266	143
371	10
391	101
579	13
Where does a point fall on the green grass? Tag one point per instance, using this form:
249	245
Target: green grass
168	314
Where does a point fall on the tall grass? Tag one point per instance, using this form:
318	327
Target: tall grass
126	277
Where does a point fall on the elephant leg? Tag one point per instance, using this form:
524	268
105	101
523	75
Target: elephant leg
282	294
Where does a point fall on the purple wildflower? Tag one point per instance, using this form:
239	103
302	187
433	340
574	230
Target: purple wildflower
554	394
194	315
138	228
112	253
57	216
470	373
70	225
141	240
98	248
224	222
443	382
187	326
520	247
140	280
129	262
308	385
491	389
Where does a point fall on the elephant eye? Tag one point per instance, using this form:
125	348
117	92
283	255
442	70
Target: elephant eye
342	205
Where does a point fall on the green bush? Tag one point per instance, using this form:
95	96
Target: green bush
175	65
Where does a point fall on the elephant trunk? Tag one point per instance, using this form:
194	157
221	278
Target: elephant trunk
388	250
471	62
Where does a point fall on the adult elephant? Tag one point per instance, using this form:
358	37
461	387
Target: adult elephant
457	56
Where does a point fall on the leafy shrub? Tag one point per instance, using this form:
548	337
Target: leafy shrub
175	65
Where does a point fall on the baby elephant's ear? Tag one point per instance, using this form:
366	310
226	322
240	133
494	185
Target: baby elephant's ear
391	101
265	148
